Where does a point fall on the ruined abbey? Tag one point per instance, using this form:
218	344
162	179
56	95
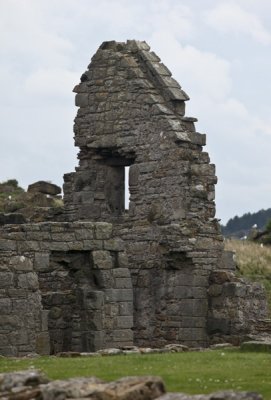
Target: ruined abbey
103	274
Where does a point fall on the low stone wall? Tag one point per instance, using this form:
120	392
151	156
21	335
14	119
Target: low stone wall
235	307
63	286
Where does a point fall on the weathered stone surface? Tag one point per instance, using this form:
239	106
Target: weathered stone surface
26	385
102	276
44	187
102	259
12	218
19	379
33	385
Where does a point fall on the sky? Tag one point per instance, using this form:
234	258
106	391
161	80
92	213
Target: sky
219	51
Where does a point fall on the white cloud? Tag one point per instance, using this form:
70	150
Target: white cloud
231	18
26	37
200	72
54	82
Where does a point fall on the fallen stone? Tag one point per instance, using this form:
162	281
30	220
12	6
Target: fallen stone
176	348
220	346
33	385
110	352
13	380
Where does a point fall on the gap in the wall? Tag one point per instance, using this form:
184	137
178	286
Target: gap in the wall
127	191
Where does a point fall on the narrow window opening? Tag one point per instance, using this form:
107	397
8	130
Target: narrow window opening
126	188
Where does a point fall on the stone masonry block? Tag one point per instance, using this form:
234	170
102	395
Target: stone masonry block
21	263
5	306
92	244
44	320
28	280
104	278
102	259
126	308
81	100
193	322
63	237
123	283
28	245
7	245
10	322
6	279
41	261
118	295
8	351
103	230
92	299
189	334
121	273
43	343
123	335
114	244
194	307
84	234
184	292
122	259
124	322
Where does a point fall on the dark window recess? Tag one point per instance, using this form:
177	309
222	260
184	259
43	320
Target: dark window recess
116	186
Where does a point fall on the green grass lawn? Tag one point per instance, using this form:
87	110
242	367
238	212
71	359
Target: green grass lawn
190	372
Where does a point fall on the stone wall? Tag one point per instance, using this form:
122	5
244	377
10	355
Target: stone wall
64	286
235	306
141	275
131	113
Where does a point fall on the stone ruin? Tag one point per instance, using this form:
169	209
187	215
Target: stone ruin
107	275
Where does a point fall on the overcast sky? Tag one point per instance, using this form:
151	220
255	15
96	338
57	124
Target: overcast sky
219	51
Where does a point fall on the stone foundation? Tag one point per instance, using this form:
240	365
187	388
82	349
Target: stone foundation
64	286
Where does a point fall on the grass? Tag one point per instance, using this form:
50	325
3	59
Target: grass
253	262
189	372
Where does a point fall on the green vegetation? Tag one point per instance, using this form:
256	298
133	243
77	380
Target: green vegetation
190	372
11	196
14	198
240	226
253	261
